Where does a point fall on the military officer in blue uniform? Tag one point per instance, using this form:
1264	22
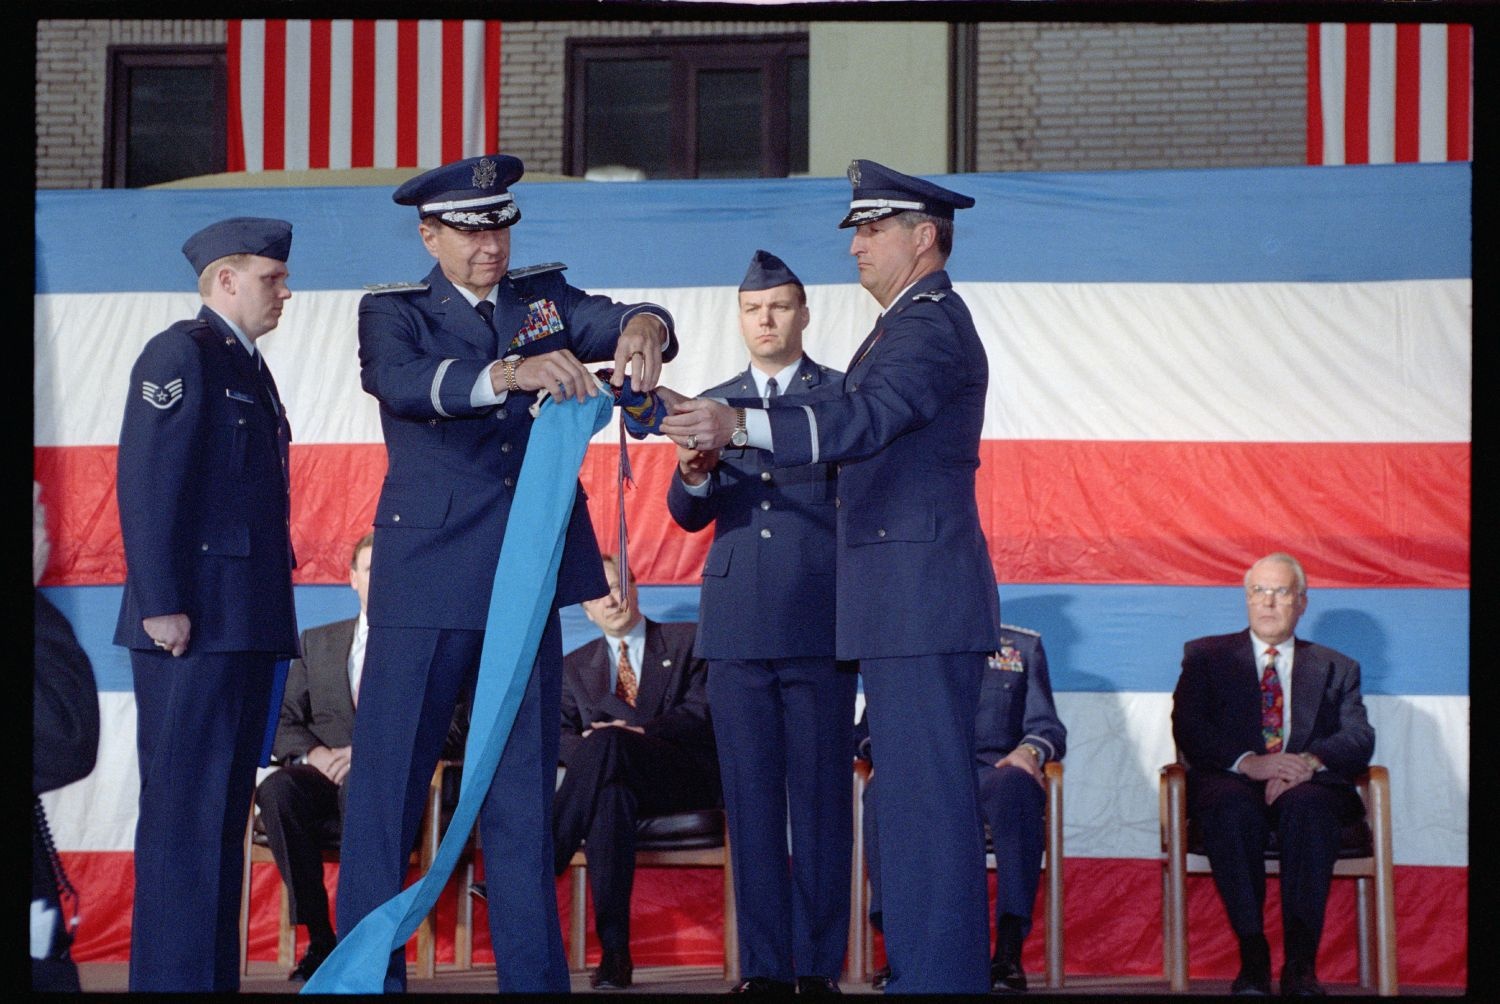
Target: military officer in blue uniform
455	361
917	603
207	607
1016	733
783	707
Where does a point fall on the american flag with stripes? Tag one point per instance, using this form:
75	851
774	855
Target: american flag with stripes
361	93
1389	93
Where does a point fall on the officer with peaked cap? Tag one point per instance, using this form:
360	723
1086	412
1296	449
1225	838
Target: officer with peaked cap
783	708
917	604
455	361
207	606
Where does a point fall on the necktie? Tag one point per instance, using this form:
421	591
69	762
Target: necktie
772	391
1271	704
487	311
625	683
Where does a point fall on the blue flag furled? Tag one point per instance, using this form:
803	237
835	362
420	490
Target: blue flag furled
543	503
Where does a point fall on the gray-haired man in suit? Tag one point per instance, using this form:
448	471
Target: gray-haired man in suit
302	804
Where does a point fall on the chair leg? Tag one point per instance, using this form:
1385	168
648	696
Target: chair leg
1174	895
463	927
858	962
245	899
427	947
286	934
1364	912
578	918
1054	924
731	918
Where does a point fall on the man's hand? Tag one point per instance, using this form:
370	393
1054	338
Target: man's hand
332	762
1024	760
171	632
695	465
1280	771
699	424
559	372
617	723
639	348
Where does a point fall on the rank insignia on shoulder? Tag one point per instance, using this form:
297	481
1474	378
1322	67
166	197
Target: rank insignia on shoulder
1007	660
530	270
164	396
935	296
377	288
1018	629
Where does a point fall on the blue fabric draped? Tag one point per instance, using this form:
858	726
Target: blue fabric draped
544	498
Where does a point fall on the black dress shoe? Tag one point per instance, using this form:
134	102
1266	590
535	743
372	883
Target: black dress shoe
882	977
1254	978
763	985
614	972
817	985
1251	985
1006	977
1300	981
310	962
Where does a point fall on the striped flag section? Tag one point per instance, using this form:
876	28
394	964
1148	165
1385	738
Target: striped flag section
1389	93
308	94
1161	346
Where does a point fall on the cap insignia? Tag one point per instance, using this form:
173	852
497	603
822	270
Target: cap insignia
485	173
854	173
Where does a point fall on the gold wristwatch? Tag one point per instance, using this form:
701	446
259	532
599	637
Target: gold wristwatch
740	436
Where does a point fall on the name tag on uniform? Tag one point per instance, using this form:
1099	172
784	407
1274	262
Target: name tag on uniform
542	319
236	395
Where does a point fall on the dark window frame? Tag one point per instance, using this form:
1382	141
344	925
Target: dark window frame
688	56
120	60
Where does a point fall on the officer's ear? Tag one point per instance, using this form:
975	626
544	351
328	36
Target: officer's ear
926	236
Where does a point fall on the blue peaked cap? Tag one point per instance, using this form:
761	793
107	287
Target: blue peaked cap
239	235
880	192
767	272
470	194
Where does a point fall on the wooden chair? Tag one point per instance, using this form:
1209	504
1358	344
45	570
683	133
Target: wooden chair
257	851
862	935
698	839
1365	856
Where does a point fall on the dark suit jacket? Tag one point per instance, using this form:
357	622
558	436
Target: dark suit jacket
1216	707
203	494
914	572
672	704
453	468
772	553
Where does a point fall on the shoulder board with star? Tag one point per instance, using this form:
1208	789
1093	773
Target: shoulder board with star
1020	630
379	288
528	271
932	295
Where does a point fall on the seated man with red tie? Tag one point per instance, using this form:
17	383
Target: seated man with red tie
1273	730
636	741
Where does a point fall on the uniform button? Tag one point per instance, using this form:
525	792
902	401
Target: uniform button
765	503
854	386
432	422
396	518
242	421
504	447
765	475
510	482
880	532
203	547
500	413
766	533
838	503
838	468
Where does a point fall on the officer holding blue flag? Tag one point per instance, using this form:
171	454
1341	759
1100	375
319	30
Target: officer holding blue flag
455	361
207	607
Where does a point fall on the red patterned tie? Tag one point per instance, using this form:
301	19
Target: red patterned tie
1271	704
625	682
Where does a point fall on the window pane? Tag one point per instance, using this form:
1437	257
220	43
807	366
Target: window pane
175	126
729	110
796	114
629	117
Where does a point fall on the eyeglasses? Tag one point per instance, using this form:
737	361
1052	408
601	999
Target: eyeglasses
1266	592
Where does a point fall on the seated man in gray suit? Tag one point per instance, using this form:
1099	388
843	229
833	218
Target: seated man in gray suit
302	804
636	741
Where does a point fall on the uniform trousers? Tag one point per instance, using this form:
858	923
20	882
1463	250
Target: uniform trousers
1235	821
302	812
1013	805
412	681
921	715
784	729
200	725
615	778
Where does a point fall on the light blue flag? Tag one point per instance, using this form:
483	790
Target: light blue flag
540	511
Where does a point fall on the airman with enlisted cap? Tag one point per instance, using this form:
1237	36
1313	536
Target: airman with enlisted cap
916	597
207	607
455	361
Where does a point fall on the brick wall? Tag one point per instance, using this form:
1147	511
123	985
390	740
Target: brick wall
70	79
1075	97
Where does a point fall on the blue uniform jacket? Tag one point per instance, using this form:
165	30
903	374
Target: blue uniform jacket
453	467
203	494
914	573
768	581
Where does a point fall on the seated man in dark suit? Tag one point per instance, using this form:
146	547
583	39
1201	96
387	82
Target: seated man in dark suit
302	804
636	741
1273	731
1016	731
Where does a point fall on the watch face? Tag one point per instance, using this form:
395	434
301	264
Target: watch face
740	438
